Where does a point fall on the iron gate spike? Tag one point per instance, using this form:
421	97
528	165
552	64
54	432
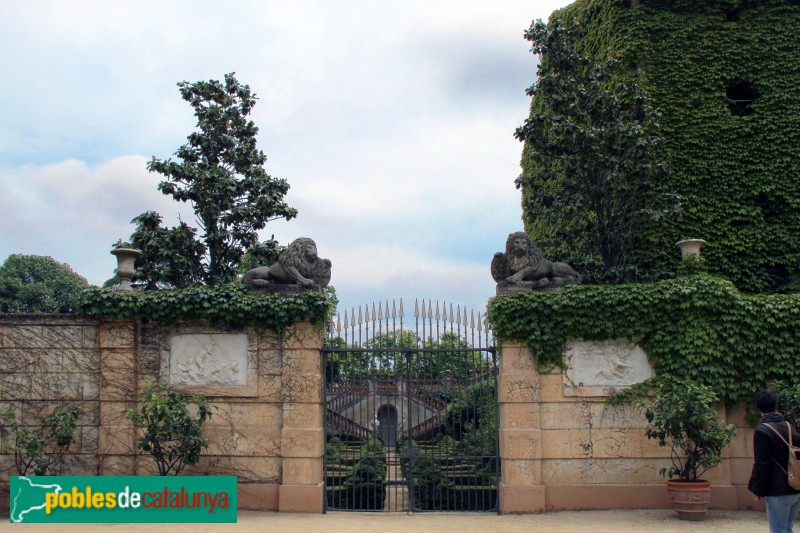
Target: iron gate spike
360	321
458	315
416	308
451	311
437	310
444	311
380	311
394	310
430	310
366	314
387	309
353	317
401	308
345	319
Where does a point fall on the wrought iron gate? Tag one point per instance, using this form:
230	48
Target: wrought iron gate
411	410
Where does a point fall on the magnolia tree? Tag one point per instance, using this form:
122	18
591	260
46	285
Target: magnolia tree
220	172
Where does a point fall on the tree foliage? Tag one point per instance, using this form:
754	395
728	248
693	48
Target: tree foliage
385	358
38	284
730	128
593	190
220	171
172	432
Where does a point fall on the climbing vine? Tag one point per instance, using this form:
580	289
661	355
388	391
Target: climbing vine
225	304
696	326
723	75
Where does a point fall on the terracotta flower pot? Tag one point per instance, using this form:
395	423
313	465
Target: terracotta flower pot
690	499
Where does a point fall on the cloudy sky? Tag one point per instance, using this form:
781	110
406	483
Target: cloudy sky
392	121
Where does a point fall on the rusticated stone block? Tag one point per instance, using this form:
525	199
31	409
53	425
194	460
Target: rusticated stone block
91	337
83	464
116	387
521	471
595	443
269	387
246	469
301	498
89	440
519	416
258	496
516	359
520	444
720	474
111	413
306	388
566	415
270	361
518	389
521	499
302	442
117	465
302	362
62	337
651	448
594	471
304	336
302	471
302	415
116	335
552	386
742	444
116	440
23	337
267	416
267	340
567	444
242	441
741	468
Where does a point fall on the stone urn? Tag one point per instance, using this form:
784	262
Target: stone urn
690	499
690	246
126	257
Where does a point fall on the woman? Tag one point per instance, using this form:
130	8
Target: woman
769	479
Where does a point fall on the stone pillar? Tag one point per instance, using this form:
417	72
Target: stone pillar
116	437
521	488
303	434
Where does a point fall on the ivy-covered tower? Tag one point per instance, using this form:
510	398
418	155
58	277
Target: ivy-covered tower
725	76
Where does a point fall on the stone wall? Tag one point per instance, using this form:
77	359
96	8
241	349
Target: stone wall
267	428
563	447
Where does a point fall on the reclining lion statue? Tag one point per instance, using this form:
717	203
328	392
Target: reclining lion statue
298	264
524	266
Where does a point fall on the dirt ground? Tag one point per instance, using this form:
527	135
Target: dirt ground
663	521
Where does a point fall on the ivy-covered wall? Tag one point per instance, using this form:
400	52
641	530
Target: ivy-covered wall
735	164
695	326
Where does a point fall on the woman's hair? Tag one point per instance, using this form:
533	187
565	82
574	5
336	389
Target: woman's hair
766	401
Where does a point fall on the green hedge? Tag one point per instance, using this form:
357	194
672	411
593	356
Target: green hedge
697	326
225	304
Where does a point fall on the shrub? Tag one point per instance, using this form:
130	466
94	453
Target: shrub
172	433
40	449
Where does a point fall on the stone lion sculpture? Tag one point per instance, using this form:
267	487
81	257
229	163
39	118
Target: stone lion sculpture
524	266
297	265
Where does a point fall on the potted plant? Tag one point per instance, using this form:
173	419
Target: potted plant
681	416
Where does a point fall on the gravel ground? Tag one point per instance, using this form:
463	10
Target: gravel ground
663	521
